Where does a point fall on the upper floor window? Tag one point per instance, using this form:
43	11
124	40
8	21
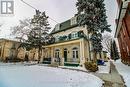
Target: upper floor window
73	20
74	35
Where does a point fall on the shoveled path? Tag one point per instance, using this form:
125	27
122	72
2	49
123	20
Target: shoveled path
113	79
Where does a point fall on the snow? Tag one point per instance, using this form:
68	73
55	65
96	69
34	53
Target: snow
124	70
42	76
104	68
74	68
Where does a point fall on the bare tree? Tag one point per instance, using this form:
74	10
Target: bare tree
106	42
22	30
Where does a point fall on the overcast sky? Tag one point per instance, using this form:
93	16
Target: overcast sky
59	10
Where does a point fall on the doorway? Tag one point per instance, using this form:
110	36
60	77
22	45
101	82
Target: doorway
65	55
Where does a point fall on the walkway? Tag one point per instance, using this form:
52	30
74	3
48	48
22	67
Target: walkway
113	79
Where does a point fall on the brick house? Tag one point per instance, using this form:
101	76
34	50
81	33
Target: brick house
123	29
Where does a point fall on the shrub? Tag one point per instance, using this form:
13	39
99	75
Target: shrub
91	66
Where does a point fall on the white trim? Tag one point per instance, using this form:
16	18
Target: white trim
57	27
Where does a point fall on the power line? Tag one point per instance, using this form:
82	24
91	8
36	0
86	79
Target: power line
37	9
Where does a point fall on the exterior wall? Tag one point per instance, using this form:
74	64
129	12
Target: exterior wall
8	49
21	53
33	54
124	37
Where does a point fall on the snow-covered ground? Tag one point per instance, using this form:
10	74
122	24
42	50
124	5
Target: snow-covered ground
41	76
104	68
75	68
124	70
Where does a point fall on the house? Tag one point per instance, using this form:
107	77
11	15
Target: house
9	49
123	29
71	46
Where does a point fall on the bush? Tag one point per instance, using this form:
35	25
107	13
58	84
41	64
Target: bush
91	66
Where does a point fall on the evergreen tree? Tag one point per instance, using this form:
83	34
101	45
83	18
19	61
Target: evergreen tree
114	51
38	36
92	13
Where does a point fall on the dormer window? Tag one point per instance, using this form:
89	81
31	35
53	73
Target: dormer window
57	27
74	35
73	20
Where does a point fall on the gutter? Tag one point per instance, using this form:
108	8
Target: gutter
122	13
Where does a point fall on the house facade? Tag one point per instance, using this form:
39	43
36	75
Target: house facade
71	46
123	29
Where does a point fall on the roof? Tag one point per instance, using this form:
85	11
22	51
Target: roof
64	26
1	39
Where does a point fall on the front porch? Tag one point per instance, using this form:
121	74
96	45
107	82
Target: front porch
70	53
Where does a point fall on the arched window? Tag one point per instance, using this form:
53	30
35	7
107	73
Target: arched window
75	53
57	53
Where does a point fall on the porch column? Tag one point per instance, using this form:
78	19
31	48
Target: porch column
62	57
81	51
52	55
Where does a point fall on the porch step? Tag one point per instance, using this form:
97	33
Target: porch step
71	64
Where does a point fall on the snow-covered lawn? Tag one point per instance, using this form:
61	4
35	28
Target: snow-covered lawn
124	70
104	68
41	76
74	68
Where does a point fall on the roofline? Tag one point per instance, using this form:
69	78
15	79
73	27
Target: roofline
9	40
64	29
119	22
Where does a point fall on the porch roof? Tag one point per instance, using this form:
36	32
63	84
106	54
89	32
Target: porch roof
64	43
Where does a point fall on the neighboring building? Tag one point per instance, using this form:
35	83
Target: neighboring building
104	56
71	44
9	49
123	29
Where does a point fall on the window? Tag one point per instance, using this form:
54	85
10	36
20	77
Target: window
75	53
57	53
74	35
73	20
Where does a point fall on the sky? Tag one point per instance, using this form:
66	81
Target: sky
59	10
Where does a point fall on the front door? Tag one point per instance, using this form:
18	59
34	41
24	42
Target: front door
65	55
